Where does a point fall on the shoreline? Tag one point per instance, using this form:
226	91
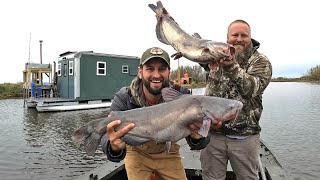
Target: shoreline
9	95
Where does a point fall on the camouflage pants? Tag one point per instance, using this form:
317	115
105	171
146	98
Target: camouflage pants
242	154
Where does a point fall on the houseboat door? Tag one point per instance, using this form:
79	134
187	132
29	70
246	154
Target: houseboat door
70	78
66	82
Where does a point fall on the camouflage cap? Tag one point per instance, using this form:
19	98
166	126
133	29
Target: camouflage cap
153	53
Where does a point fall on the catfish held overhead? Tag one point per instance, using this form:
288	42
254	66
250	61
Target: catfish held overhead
191	47
165	122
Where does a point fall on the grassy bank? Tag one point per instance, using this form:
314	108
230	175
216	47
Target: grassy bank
9	90
301	79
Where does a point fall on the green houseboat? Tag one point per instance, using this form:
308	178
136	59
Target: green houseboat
85	80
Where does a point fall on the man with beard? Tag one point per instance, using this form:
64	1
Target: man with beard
243	77
145	90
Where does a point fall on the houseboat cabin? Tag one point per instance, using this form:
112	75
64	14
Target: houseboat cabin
82	80
94	76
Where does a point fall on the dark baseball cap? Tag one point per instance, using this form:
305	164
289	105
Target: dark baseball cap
154	52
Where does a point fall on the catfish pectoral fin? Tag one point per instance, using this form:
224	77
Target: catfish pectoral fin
176	55
87	137
204	130
168	147
91	143
80	134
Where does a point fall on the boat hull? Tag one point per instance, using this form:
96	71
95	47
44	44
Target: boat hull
70	106
270	167
62	104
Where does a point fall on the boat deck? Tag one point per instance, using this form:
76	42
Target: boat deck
49	100
116	171
64	104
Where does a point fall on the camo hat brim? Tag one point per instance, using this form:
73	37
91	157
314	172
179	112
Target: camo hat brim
154	52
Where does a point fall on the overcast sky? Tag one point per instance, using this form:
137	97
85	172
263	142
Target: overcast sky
287	30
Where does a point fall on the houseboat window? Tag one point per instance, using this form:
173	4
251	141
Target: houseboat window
101	68
125	69
65	70
70	68
59	69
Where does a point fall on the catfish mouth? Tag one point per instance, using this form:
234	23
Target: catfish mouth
229	52
234	115
226	53
237	112
232	50
231	114
234	112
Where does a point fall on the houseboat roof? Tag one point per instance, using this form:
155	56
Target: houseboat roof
37	65
73	54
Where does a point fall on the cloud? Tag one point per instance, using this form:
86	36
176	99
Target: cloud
287	35
292	70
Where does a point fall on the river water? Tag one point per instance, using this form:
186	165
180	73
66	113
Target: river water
38	145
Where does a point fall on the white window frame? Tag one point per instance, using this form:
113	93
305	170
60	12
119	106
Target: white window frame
71	68
125	69
59	69
105	68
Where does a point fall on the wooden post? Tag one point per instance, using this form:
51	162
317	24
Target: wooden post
23	94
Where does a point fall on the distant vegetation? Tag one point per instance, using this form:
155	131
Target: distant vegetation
312	75
197	74
9	90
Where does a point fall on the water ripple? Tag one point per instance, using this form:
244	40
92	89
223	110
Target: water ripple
39	146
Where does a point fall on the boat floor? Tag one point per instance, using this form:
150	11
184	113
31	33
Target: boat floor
116	171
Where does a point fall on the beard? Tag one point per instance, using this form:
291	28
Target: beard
244	55
153	91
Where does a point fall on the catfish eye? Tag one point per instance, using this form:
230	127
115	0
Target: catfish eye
231	106
205	51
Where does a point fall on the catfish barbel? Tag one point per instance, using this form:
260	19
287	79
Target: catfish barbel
165	122
191	47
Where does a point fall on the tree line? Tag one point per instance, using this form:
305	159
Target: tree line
197	73
8	90
312	75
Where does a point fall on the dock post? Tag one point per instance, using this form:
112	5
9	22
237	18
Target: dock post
23	94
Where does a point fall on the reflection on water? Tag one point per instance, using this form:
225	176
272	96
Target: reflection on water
48	135
290	125
39	146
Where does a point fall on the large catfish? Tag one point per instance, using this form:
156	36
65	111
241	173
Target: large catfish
191	47
165	122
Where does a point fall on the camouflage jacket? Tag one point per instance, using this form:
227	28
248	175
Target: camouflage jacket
245	82
130	98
